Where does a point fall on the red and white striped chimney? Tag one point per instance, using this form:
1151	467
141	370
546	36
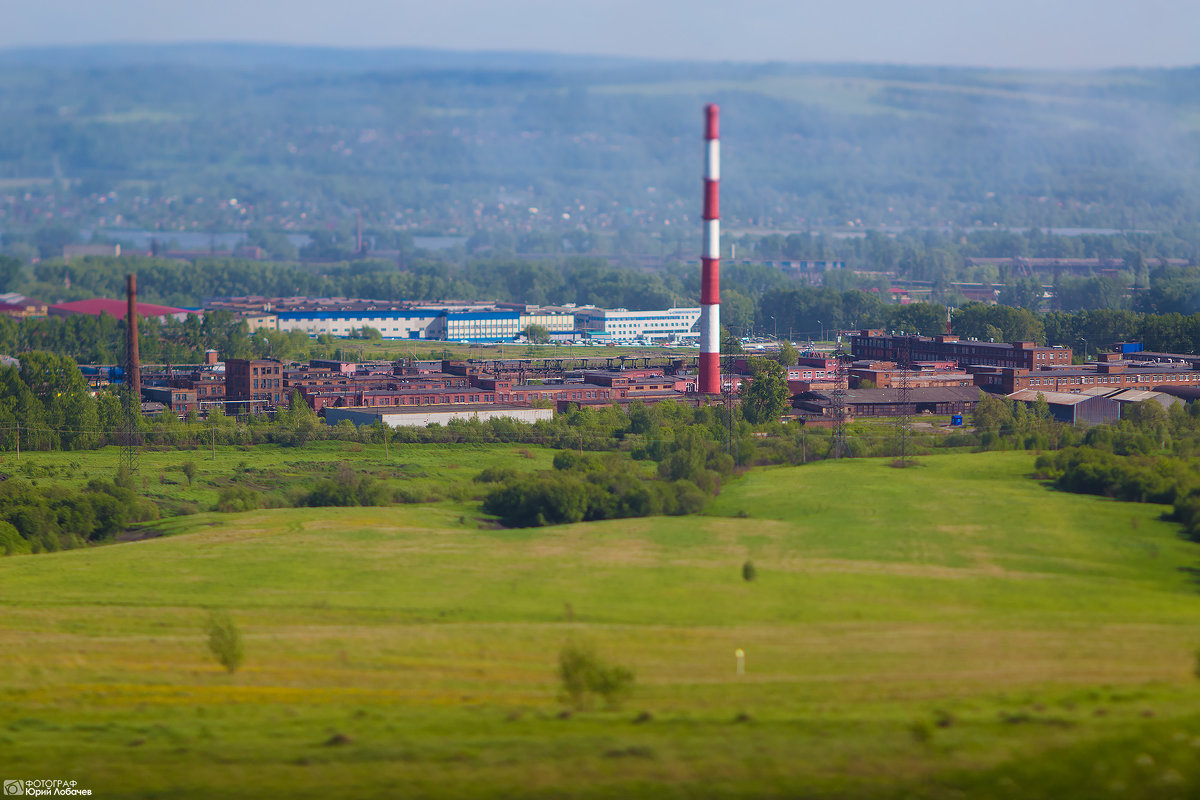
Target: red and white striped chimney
710	260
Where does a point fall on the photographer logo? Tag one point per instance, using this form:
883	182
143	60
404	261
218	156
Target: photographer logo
44	787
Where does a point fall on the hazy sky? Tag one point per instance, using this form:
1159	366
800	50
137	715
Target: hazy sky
1015	33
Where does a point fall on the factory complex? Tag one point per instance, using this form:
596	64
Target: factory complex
461	321
821	385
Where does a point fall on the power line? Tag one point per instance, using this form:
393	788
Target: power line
904	401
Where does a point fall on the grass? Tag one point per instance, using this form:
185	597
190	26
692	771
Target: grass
441	470
954	629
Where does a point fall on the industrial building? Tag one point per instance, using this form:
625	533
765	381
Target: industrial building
456	321
1073	409
116	309
392	323
17	306
475	326
253	385
892	402
420	416
922	375
1127	397
904	348
557	320
623	325
1111	371
181	401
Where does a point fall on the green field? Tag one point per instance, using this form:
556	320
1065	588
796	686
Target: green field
441	471
951	630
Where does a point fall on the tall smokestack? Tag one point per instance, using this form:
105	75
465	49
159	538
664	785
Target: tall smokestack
135	362
710	260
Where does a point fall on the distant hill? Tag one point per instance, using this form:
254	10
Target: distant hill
236	55
165	136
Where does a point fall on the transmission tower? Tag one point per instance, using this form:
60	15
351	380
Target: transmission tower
904	401
130	436
131	395
837	444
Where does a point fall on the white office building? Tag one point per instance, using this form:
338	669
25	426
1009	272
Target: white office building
392	323
623	325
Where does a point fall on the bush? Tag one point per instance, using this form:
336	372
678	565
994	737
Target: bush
224	640
11	543
495	475
540	500
1146	479
237	498
595	487
749	573
583	674
409	494
348	489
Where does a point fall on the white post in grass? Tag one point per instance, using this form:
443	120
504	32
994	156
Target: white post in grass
741	661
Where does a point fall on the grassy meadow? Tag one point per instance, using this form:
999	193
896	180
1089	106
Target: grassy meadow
950	630
442	471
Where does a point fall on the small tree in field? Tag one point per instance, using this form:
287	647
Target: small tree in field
225	641
189	471
583	674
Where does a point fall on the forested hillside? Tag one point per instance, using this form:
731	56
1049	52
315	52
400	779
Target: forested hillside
233	138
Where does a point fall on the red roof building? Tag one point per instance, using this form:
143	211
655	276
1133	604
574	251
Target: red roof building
115	308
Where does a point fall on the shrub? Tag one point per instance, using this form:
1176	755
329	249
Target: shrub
495	475
540	500
11	542
584	674
237	498
749	573
224	640
348	489
409	494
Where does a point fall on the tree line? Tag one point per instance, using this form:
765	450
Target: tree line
1149	457
755	297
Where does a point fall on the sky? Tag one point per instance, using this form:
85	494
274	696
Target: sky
1016	33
